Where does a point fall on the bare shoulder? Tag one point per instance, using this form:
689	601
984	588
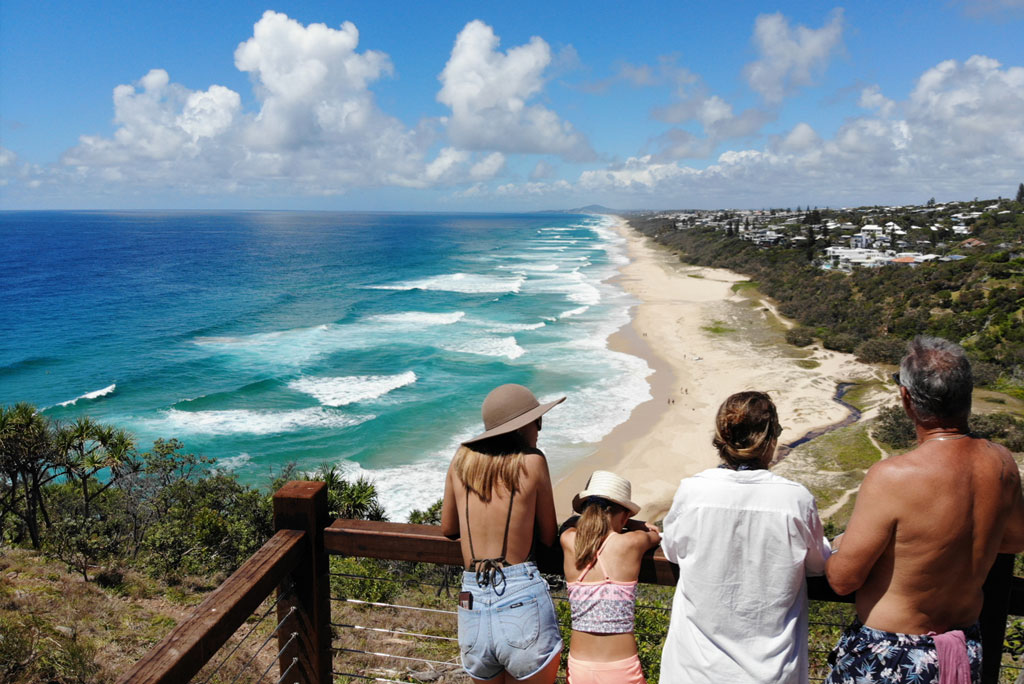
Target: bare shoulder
892	471
535	461
1009	471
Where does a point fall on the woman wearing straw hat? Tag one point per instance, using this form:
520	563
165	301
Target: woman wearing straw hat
745	540
498	502
603	648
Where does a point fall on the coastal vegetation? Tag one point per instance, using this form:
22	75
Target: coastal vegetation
975	298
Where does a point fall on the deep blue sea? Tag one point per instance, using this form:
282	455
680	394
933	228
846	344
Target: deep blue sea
365	341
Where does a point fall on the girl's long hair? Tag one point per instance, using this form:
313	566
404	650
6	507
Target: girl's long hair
592	528
484	464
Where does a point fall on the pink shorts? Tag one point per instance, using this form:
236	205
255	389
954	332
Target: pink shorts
625	671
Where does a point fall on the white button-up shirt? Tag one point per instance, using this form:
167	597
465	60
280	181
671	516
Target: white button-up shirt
745	541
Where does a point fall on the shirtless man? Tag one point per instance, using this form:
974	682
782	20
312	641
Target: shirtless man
925	532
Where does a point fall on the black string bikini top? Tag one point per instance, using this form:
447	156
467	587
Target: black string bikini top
489	569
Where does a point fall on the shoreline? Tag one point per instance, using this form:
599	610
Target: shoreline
681	327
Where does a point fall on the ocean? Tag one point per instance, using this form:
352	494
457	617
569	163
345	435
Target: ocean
365	341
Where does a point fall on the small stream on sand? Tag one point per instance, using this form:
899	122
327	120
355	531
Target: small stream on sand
852	417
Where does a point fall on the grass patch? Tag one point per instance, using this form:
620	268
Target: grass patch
841	518
843	450
809	364
853	448
694	275
828	490
718	328
862	394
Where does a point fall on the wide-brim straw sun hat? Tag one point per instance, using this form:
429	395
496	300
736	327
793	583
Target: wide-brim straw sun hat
605	485
508	408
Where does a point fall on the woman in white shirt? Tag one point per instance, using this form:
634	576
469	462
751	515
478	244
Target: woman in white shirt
745	540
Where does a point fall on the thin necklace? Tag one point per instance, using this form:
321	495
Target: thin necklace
946	438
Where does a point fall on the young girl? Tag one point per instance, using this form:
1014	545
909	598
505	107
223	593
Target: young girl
498	503
603	550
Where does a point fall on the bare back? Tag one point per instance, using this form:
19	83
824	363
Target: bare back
621	556
925	531
532	515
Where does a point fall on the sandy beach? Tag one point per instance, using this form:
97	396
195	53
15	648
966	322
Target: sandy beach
703	342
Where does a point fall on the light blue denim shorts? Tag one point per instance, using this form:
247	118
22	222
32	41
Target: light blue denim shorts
512	626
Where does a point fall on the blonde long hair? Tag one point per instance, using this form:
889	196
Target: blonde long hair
487	463
592	528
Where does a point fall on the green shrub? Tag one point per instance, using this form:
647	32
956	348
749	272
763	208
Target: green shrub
894	428
881	350
363	579
32	650
839	341
800	336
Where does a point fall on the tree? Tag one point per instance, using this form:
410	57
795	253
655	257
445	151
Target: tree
931	202
356	500
27	464
1020	193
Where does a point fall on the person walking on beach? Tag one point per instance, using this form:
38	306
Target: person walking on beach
604	540
924	534
745	540
498	502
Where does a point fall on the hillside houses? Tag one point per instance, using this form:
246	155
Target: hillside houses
867	237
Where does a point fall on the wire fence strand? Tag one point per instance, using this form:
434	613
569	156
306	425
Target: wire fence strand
394	631
266	641
284	674
391	655
391	605
280	652
370	679
247	635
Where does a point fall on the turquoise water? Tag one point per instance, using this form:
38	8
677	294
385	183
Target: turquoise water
366	341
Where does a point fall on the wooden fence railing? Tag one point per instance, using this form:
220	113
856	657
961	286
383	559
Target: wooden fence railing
295	561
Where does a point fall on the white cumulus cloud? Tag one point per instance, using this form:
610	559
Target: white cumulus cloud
961	133
317	128
872	98
790	57
489	92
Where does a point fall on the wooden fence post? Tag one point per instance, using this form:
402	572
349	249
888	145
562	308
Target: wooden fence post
993	616
303	506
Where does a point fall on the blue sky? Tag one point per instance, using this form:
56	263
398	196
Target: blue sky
460	106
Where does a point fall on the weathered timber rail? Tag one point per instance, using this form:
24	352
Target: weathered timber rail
295	563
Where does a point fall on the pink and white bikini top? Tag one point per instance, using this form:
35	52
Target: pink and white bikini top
605	607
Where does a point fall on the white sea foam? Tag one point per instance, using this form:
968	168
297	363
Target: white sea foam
573	312
418	318
596	409
465	283
248	421
234	462
513	327
488	346
341	391
287	347
402	489
90	395
539	268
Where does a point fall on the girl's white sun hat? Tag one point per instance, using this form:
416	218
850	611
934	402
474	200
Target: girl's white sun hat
605	485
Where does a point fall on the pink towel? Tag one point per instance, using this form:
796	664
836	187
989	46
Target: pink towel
951	647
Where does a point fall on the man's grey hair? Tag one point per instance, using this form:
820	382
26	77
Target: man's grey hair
938	377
